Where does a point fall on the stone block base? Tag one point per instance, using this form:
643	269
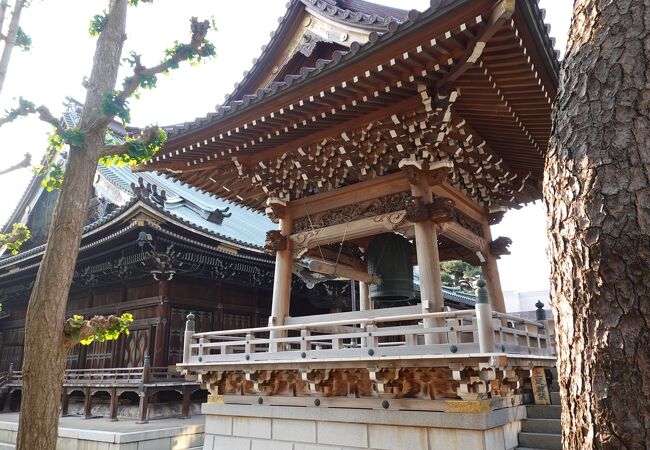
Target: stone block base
264	427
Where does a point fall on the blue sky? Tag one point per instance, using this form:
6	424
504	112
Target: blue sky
62	55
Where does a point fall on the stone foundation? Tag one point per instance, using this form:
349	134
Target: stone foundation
99	434
258	427
155	411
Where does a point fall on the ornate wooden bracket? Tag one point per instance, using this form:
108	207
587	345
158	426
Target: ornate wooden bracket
275	241
276	209
496	215
440	210
499	246
431	174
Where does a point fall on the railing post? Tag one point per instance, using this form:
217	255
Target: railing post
187	341
304	334
484	319
549	326
146	370
10	373
540	314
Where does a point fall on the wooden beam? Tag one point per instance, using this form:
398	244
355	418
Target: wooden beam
343	271
358	192
301	242
464	237
500	14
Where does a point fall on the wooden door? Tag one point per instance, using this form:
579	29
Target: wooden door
135	346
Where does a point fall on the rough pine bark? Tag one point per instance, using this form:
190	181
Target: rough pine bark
44	357
597	193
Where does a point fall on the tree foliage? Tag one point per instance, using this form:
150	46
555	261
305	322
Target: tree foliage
98	328
460	274
16	238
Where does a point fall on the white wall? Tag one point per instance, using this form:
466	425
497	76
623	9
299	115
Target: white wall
525	301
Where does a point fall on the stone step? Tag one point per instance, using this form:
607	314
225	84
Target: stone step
541	440
543	411
551	426
555	398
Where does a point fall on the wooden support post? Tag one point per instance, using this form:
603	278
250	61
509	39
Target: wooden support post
160	349
282	277
114	401
143	406
491	274
364	297
185	414
426	245
146	370
88	404
7	405
65	400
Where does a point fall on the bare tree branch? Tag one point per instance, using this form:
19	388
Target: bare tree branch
24	163
46	116
197	43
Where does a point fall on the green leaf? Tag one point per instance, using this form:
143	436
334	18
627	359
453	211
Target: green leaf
23	41
97	23
112	106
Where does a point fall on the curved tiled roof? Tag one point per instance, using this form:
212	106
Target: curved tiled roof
356	13
393	30
243	228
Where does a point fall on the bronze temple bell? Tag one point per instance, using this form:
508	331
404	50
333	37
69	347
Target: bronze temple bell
389	257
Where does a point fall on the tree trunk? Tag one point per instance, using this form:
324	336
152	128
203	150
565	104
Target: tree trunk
44	358
597	192
10	40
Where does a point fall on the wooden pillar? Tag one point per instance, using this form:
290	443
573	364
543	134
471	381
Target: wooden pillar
143	406
114	400
491	275
185	414
88	404
282	277
364	297
426	246
7	405
65	400
160	349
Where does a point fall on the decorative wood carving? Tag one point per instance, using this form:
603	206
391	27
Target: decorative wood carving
499	246
374	207
424	383
440	210
467	222
356	229
416	210
275	241
276	209
496	217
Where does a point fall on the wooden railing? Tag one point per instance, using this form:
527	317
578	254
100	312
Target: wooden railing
384	335
120	376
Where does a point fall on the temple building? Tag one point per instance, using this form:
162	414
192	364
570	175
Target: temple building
159	250
379	140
